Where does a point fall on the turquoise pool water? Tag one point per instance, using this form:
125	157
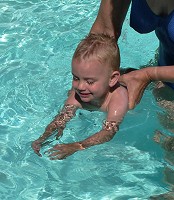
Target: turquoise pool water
37	41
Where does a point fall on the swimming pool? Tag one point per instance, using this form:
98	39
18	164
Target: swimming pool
37	41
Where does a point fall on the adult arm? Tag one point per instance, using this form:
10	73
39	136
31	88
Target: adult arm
161	73
137	81
110	17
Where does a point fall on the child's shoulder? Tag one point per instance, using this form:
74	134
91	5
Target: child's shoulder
119	97
72	100
118	104
120	92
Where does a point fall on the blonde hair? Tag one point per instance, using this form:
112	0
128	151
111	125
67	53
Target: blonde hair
100	46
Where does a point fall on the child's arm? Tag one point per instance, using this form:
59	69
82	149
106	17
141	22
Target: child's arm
117	109
58	124
61	151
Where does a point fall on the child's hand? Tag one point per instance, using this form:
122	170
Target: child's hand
36	146
61	151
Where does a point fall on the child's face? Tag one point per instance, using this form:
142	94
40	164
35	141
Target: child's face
91	79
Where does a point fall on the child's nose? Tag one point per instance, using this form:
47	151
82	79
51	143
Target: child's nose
81	85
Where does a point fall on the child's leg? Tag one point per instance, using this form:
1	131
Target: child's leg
165	98
166	196
159	137
167	142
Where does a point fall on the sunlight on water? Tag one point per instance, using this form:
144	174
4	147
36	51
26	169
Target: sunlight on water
37	41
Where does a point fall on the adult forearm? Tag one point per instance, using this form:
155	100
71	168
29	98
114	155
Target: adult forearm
110	17
161	73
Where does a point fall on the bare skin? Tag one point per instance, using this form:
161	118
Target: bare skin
166	142
167	196
161	7
137	81
112	14
109	20
94	87
58	124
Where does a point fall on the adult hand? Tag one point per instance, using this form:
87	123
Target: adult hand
61	151
136	82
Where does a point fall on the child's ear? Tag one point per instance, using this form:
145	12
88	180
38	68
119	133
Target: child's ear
114	78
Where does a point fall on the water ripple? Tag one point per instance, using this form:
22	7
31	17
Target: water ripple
37	41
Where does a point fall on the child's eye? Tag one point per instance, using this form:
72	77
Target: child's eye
90	82
75	78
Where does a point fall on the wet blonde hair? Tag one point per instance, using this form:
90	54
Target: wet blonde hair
100	46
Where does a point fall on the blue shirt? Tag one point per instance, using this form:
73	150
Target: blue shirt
144	20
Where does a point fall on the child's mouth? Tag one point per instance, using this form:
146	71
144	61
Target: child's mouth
84	95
